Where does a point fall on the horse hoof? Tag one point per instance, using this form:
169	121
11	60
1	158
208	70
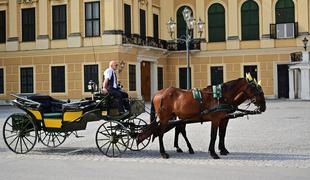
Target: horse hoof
179	150
224	152
191	151
165	155
214	155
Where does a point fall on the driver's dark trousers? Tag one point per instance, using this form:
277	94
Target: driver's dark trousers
122	98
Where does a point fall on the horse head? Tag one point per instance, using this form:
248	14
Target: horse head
242	89
255	93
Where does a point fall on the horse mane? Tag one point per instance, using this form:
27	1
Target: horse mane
230	85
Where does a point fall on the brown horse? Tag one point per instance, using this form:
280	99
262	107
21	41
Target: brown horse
174	102
224	122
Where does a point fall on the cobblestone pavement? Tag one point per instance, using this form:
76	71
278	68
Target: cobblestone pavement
273	145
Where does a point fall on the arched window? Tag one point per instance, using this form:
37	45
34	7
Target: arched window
181	27
250	20
285	26
216	23
285	11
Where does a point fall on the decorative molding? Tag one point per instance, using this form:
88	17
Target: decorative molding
113	32
303	34
12	39
43	37
266	36
75	34
27	1
233	38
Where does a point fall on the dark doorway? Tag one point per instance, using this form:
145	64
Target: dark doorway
146	80
283	81
183	78
216	75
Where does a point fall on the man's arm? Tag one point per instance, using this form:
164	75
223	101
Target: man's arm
105	85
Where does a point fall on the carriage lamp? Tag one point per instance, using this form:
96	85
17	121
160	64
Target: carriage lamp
186	38
305	41
121	66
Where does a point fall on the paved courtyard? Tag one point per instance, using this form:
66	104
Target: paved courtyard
273	145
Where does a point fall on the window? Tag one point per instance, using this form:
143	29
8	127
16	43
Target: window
285	11
216	23
181	28
216	75
58	79
26	80
92	19
132	77
160	78
127	20
155	27
183	78
90	73
285	26
250	20
28	24
252	69
1	81
2	27
142	24
60	22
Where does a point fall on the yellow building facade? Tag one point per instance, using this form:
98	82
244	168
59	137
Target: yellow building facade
55	46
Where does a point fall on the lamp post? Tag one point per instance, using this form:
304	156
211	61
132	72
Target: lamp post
190	23
305	41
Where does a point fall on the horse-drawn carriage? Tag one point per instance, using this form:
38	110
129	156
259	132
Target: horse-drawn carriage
51	121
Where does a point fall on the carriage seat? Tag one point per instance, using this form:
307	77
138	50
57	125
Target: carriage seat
47	103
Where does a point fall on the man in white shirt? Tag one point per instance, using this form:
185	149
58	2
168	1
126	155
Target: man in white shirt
109	85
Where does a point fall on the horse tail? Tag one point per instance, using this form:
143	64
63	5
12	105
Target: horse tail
152	113
151	128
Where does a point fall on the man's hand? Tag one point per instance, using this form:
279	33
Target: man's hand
104	91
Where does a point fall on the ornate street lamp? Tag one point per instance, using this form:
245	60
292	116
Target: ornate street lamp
190	24
305	41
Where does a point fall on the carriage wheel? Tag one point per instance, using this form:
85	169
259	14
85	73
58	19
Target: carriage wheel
136	126
52	139
112	138
19	133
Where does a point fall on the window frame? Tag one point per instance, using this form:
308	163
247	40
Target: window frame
158	81
223	26
92	19
28	28
127	27
20	79
142	14
59	23
247	32
251	64
191	76
65	78
4	80
98	75
155	26
3	26
132	79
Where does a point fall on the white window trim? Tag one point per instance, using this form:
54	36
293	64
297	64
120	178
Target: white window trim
251	64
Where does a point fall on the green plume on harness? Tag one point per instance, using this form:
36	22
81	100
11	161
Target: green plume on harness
217	91
197	94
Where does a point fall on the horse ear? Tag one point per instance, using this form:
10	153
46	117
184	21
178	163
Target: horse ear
259	83
248	77
255	82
